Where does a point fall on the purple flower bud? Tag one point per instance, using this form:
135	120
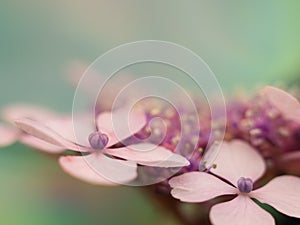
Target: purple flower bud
98	140
245	185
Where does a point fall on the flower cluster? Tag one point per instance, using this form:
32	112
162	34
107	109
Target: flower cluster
259	153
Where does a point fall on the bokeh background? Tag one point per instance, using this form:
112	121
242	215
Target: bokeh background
246	43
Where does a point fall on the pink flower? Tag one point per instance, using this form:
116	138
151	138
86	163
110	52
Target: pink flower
287	105
98	165
239	165
10	134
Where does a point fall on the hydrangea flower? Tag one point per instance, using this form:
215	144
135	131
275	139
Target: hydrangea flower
100	163
239	166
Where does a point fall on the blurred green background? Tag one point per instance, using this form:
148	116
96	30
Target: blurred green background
246	43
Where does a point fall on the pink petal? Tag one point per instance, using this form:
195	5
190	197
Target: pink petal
283	193
61	124
149	155
199	187
284	102
290	163
238	159
99	169
240	211
75	129
46	134
19	111
8	135
40	144
121	124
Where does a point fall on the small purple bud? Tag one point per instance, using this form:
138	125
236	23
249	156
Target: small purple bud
245	185
98	140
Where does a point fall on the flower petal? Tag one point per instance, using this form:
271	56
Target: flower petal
40	144
121	124
240	211
149	155
46	134
199	187
283	193
61	124
284	102
238	159
19	111
8	135
99	169
75	129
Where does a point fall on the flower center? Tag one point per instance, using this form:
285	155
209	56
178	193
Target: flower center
98	140
245	185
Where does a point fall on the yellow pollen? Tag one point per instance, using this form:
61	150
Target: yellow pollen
155	111
148	129
169	113
216	142
175	139
255	131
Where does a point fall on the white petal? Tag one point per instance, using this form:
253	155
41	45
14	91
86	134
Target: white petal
149	155
240	211
238	159
199	187
283	193
98	169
